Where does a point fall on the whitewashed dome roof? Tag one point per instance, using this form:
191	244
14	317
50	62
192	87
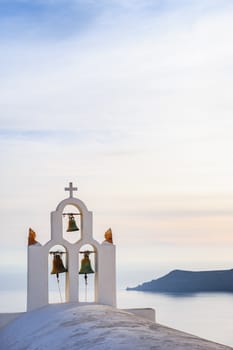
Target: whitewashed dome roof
96	327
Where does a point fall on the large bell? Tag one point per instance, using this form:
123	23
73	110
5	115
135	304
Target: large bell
86	265
58	266
72	224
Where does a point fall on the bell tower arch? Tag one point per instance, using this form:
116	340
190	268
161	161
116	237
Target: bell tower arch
105	266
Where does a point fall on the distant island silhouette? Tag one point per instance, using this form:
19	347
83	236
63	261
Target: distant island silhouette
180	281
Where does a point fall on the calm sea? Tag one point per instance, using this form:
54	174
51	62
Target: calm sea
207	315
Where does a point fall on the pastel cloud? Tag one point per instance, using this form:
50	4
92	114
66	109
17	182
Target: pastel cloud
130	97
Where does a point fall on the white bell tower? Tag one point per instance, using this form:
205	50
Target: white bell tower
105	265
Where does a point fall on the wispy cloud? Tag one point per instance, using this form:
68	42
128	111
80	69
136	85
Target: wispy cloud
125	96
77	136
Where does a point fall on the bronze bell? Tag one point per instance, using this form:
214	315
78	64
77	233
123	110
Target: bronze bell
58	266
72	224
86	266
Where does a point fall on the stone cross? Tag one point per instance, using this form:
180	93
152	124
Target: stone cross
71	189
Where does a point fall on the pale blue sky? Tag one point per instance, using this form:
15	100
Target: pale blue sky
132	101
